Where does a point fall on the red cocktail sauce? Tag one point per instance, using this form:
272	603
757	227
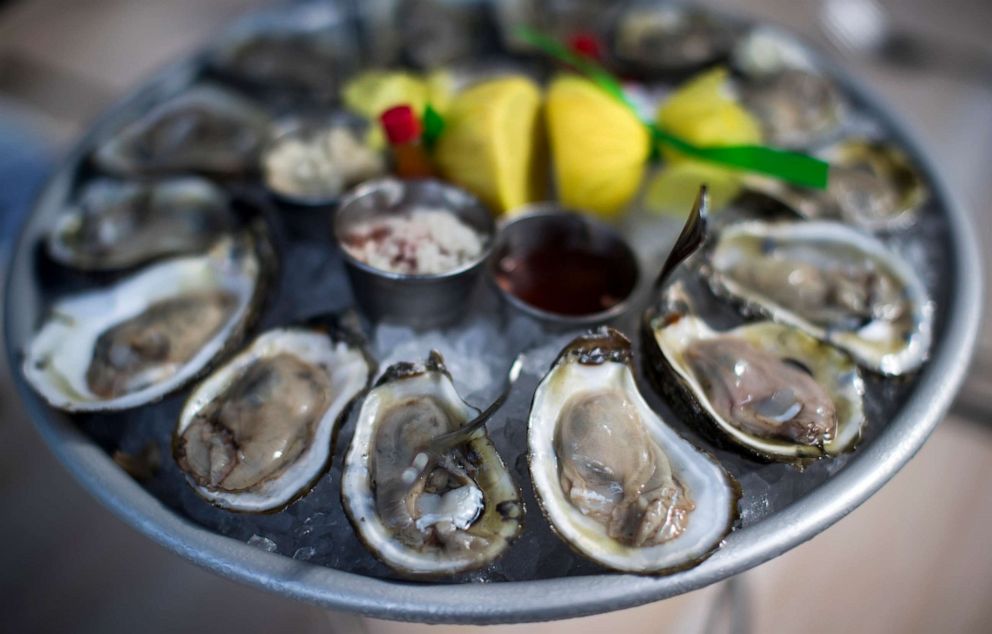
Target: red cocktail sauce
562	279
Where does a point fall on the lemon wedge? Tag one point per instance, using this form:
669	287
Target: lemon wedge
492	143
372	93
598	144
673	189
705	112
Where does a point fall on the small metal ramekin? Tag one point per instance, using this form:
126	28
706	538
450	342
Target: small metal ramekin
542	222
420	301
306	127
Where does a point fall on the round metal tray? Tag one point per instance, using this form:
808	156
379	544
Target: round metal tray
921	406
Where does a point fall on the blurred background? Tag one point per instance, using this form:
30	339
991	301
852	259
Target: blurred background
914	558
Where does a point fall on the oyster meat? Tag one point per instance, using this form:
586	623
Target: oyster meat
426	517
770	388
204	129
259	430
139	339
836	283
614	480
120	224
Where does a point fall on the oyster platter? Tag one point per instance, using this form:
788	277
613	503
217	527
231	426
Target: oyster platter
592	304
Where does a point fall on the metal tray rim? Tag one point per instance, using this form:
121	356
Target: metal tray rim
547	599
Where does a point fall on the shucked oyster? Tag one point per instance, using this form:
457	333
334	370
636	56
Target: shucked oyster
614	480
259	430
133	342
297	54
797	107
797	104
435	33
420	517
670	39
290	61
205	129
119	224
770	388
872	185
832	281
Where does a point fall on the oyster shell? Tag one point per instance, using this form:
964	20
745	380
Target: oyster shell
834	282
797	108
873	185
615	481
770	388
288	61
435	33
456	515
797	105
135	341
204	129
298	55
670	39
259	430
120	224
765	49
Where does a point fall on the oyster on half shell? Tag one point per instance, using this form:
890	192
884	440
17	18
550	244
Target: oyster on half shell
135	341
834	282
259	430
296	63
667	39
770	388
206	129
119	224
873	185
614	480
426	518
798	105
290	58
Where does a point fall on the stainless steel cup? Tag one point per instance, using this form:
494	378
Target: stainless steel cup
305	128
419	301
549	223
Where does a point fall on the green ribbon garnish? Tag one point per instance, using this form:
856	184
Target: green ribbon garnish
583	64
792	167
433	126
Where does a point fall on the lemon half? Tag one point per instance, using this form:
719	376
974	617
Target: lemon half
599	146
492	142
705	112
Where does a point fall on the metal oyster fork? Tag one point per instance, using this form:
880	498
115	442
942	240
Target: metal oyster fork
439	445
693	235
